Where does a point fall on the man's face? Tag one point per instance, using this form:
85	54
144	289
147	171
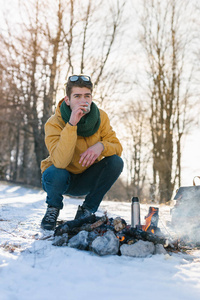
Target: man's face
79	95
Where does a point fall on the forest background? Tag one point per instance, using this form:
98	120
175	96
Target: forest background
144	59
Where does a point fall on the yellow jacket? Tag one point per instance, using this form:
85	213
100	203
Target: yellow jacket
65	146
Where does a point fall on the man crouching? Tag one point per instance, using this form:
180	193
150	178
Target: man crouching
84	152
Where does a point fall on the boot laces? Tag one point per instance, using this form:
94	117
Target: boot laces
85	213
51	214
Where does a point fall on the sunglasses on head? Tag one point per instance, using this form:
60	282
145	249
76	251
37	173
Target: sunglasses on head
74	78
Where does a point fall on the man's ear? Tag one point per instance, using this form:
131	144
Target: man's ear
66	99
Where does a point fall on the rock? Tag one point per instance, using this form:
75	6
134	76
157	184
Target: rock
92	236
61	240
159	249
79	241
108	244
139	249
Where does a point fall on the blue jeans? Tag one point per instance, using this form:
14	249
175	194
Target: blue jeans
94	182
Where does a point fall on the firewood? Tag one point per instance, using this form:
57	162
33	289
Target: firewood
145	236
90	227
69	226
119	224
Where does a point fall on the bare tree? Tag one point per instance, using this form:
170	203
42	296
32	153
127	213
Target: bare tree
165	41
136	150
52	41
90	42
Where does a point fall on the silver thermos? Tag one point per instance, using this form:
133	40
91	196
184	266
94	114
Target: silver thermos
135	212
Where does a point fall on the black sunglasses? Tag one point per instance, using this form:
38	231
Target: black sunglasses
74	78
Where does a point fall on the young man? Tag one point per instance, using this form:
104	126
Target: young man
84	152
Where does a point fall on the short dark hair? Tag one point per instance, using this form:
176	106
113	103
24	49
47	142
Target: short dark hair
78	83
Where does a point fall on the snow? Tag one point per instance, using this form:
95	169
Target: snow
38	270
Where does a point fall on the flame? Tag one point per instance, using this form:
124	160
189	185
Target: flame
148	220
121	239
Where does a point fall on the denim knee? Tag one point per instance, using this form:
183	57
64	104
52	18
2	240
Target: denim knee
115	163
56	177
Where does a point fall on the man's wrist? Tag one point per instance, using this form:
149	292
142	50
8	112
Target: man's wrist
70	123
102	146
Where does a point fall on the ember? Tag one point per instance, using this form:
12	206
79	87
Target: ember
121	238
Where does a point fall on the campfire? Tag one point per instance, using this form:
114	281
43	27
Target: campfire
105	236
151	220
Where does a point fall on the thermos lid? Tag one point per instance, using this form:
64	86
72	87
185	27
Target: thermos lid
135	199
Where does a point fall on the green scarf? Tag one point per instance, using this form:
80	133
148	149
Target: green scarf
88	124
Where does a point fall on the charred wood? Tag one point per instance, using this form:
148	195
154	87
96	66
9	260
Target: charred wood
90	227
71	226
145	236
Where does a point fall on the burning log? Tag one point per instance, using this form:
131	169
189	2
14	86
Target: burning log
151	219
139	234
71	226
90	227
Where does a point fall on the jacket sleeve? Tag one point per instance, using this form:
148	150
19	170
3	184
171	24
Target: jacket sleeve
108	138
60	143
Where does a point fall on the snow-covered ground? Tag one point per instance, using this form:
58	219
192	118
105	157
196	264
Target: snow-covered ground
34	269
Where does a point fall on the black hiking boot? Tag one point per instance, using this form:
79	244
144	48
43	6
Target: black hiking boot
50	218
82	213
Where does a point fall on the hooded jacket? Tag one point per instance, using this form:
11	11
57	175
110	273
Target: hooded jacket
65	146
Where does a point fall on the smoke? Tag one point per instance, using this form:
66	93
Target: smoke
186	214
